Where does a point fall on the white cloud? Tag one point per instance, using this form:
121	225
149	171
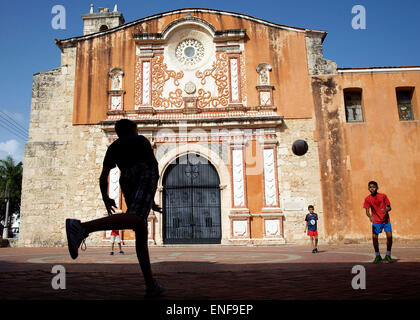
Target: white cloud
11	148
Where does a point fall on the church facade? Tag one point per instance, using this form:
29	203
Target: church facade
221	96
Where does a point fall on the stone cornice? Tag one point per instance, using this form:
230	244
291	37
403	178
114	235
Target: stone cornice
253	121
72	41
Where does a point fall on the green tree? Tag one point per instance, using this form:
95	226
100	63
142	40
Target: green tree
10	186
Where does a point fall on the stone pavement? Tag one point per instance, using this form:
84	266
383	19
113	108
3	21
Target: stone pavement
213	272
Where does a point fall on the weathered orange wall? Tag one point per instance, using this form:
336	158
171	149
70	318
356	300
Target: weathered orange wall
284	50
382	148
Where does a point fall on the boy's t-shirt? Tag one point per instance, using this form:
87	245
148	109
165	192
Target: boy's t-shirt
312	221
125	152
376	204
115	233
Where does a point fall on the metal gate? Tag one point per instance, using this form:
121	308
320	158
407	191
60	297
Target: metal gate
191	202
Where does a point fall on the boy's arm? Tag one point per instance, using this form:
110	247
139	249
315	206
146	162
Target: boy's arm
368	214
388	205
103	184
387	209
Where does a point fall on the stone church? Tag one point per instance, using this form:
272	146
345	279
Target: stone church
221	96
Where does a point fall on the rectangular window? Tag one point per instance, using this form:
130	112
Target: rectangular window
353	105
405	106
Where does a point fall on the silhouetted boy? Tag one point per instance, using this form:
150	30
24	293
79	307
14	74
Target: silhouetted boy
134	156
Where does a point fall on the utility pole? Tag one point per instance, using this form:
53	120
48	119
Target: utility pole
6	220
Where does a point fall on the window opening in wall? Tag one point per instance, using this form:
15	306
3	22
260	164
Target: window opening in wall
103	28
353	105
404	101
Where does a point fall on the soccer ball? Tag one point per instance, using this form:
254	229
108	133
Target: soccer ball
300	147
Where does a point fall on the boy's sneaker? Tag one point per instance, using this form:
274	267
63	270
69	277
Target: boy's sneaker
314	251
156	290
75	236
121	252
377	259
111	253
389	259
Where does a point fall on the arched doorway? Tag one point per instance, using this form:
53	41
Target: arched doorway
191	202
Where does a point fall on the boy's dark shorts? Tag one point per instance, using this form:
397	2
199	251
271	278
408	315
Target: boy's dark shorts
138	184
378	227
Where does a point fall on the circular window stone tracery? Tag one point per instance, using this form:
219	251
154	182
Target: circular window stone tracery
189	52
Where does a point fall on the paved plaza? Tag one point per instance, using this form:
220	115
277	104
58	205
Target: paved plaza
213	272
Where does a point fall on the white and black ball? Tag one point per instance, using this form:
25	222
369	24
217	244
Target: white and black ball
300	147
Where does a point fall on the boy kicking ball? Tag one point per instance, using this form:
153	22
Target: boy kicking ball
379	205
311	224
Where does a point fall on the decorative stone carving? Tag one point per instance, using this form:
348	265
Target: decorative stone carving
189	52
116	93
265	98
114	185
189	87
116	102
269	178
239	228
234	79
272	227
219	73
161	74
238	178
146	83
265	90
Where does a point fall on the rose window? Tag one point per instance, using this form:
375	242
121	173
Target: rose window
189	52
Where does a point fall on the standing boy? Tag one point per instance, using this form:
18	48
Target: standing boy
134	156
115	237
379	205
311	224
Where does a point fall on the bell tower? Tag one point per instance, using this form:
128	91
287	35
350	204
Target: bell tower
102	20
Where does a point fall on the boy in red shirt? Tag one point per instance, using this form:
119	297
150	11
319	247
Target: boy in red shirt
115	237
379	205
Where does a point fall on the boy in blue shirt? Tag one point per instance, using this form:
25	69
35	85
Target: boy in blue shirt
311	224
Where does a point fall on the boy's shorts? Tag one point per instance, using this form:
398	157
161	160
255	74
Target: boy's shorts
138	185
116	239
377	227
313	233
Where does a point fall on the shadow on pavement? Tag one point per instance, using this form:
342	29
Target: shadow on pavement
189	280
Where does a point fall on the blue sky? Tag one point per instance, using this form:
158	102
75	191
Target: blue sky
27	40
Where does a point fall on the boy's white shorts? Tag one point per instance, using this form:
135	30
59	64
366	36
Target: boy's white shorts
115	239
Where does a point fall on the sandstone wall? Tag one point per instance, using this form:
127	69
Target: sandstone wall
299	180
62	162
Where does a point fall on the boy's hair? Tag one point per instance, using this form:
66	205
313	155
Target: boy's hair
311	206
124	127
374	183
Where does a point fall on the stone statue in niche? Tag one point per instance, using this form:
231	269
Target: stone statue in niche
116	82
263	70
116	75
263	77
